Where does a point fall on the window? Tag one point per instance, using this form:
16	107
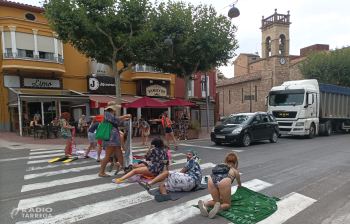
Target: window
256	93
242	96
46	55
229	96
191	87
203	86
24	53
272	118
30	16
9	51
266	118
257	118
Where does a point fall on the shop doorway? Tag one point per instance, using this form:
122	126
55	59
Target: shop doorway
33	107
49	111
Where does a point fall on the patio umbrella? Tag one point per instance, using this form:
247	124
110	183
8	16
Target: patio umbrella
145	102
179	102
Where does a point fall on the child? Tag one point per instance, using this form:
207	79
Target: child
169	154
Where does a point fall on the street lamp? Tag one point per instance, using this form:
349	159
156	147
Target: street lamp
168	42
206	98
233	12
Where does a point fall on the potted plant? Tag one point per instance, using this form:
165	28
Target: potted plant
194	128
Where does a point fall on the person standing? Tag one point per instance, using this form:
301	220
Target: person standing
219	185
66	131
185	117
134	126
81	123
91	137
146	130
166	123
114	143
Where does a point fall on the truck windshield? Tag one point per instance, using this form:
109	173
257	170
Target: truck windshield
281	98
238	119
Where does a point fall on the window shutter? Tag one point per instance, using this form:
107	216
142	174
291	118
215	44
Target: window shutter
8	43
46	44
25	41
59	47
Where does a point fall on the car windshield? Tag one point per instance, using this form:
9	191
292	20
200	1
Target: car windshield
281	98
237	119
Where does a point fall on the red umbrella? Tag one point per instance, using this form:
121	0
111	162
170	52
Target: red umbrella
179	102
145	102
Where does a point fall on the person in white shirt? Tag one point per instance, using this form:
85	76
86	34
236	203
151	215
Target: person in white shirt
81	123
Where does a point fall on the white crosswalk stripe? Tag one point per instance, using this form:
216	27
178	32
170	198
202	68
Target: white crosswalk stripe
205	147
54	165
46	152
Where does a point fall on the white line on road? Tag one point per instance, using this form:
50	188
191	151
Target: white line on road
237	150
174	214
55	165
54	183
52	173
289	207
32	157
200	146
44	152
33	150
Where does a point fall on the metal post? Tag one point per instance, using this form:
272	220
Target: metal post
87	106
42	113
206	99
59	109
169	112
20	115
250	97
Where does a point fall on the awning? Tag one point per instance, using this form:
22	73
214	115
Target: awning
100	101
38	95
145	102
179	102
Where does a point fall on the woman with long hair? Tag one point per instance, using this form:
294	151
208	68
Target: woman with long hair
219	185
66	131
185	117
166	123
114	142
158	158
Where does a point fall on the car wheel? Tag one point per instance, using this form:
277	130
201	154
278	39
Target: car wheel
311	131
246	140
274	137
217	143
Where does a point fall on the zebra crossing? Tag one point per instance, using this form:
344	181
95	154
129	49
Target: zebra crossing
38	182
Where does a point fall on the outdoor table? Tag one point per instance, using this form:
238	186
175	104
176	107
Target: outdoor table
52	131
85	129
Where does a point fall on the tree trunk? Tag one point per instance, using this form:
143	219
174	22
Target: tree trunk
117	86
187	85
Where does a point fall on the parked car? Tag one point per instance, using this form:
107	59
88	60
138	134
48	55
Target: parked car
245	128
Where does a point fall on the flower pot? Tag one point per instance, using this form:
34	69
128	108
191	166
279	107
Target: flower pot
192	134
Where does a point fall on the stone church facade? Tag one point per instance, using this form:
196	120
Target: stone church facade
255	75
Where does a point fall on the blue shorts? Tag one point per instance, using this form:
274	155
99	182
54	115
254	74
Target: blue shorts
91	137
168	130
65	136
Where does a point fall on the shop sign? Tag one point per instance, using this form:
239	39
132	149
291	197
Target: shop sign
42	83
12	81
156	90
101	84
204	106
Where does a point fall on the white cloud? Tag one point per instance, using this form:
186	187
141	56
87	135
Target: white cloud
313	22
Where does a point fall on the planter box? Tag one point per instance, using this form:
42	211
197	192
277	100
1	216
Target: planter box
192	134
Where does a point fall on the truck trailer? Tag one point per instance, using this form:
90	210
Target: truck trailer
307	108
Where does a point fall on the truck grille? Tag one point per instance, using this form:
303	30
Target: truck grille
284	114
285	124
285	129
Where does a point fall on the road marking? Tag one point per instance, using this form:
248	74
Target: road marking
37	161
54	165
54	183
206	147
32	157
52	173
44	152
289	207
174	214
237	150
33	150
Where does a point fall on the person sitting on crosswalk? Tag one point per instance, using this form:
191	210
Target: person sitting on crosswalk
188	179
159	158
219	184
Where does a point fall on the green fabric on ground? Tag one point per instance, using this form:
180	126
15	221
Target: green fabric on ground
248	207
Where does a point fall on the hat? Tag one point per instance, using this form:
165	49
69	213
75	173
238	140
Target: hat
193	152
112	105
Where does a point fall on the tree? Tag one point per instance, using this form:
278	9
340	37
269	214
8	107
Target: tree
201	38
330	67
104	30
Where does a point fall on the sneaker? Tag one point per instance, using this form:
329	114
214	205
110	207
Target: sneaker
203	208
215	210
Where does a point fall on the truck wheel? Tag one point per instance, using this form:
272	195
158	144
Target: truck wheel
329	128
246	140
217	143
274	137
312	131
279	135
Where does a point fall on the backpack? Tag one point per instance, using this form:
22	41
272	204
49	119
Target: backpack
221	169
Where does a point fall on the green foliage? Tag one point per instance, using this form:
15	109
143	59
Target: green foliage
331	67
195	126
201	38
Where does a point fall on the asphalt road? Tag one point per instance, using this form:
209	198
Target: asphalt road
311	176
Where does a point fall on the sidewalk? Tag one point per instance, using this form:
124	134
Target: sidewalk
15	140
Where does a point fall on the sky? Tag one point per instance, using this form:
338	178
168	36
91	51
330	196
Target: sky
313	22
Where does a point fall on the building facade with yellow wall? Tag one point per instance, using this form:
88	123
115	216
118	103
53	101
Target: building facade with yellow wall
38	73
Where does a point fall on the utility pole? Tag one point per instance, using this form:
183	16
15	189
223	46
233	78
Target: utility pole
250	97
206	99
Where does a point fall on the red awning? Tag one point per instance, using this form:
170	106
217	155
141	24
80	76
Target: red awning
179	102
102	101
145	102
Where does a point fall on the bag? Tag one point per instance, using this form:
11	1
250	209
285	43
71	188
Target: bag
103	131
146	133
221	169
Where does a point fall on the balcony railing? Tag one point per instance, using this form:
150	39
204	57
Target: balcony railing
145	68
276	18
32	57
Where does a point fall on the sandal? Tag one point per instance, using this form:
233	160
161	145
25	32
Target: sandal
86	157
118	170
162	197
176	148
98	161
103	175
144	185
